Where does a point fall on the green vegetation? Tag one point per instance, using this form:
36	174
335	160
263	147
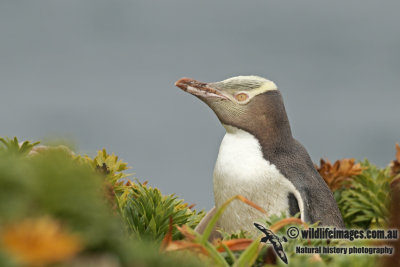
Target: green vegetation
365	203
62	209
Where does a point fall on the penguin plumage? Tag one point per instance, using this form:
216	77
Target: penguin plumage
259	158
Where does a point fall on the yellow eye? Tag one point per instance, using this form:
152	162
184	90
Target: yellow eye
241	97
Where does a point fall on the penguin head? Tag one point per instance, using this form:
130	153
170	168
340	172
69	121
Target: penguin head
237	101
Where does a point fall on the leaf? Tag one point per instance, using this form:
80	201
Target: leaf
278	225
248	257
147	212
229	252
40	241
234	244
215	255
220	211
168	237
13	147
365	202
338	174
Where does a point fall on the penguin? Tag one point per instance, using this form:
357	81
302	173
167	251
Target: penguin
259	158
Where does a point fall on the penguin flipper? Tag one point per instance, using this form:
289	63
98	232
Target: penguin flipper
319	204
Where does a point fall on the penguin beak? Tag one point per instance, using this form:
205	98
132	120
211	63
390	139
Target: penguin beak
202	90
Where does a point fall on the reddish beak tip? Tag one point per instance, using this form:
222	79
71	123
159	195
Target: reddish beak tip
199	89
183	83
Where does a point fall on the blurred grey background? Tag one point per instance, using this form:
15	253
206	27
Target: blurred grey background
101	74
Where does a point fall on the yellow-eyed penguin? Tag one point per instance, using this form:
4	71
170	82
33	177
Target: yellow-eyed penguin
259	158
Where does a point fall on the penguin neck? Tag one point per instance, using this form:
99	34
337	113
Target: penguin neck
274	128
271	127
266	138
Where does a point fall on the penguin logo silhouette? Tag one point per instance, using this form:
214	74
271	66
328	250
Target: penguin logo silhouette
274	240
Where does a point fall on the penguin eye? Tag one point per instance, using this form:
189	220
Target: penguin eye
241	97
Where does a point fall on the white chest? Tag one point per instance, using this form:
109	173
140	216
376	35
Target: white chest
242	170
